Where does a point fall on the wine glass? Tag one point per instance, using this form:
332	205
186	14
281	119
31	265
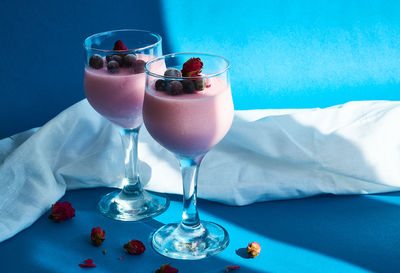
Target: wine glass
188	113
114	83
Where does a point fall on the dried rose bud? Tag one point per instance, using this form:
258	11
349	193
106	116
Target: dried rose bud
192	67
166	268
253	249
87	263
97	236
61	211
135	247
230	268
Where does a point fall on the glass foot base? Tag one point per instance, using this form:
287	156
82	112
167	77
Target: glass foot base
180	242
120	206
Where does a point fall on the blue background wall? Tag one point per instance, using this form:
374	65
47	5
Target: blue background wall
284	54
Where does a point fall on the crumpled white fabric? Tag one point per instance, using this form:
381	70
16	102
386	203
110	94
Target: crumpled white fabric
267	155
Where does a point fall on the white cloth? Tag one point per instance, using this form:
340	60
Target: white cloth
267	155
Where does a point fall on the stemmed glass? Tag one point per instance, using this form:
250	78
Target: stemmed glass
114	84
188	115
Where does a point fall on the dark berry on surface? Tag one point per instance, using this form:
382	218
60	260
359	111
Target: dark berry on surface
173	73
174	88
109	58
139	66
96	61
113	67
199	84
129	60
118	59
188	86
160	85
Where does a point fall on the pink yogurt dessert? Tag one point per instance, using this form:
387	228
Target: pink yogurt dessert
189	124
117	96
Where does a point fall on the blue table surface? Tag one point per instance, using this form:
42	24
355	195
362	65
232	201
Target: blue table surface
320	234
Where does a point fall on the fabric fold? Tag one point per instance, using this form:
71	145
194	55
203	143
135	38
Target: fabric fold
352	148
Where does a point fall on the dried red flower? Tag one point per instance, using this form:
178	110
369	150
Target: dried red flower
166	268
119	45
87	263
97	236
135	247
192	67
230	268
61	211
253	249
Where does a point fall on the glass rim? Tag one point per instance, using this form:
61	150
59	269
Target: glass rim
148	72
158	37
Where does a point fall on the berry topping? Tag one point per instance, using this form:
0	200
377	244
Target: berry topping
113	67
160	85
139	66
129	60
119	45
199	84
96	61
174	88
188	86
173	73
109	58
192	67
118	59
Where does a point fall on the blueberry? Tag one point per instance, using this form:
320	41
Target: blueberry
96	61
129	60
113	67
188	86
160	85
118	59
139	66
174	88
199	84
109	57
173	73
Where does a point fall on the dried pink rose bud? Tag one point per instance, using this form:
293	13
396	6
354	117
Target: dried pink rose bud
253	249
87	263
231	268
166	268
61	211
135	247
97	236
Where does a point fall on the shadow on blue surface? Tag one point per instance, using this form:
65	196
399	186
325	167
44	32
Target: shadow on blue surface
358	230
42	56
59	247
284	54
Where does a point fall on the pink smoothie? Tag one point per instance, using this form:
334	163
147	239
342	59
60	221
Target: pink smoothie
117	97
189	124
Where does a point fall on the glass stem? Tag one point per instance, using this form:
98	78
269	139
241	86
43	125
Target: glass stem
129	139
190	169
